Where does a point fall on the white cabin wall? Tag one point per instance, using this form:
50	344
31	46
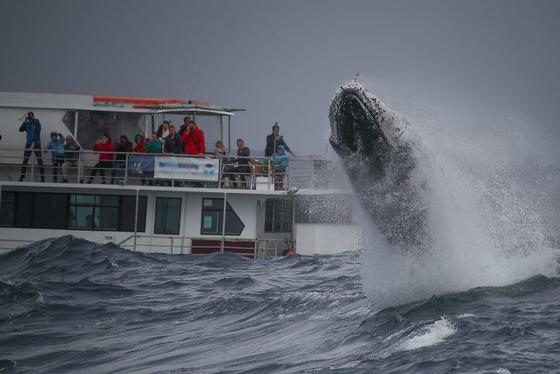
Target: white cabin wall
326	239
12	118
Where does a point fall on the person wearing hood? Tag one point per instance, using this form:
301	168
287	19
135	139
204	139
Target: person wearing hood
56	146
280	159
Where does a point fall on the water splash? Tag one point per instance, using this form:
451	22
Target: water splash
487	230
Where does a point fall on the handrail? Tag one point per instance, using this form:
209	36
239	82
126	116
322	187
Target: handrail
138	168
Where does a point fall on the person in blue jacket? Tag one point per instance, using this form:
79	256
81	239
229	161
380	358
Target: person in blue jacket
280	159
56	146
32	127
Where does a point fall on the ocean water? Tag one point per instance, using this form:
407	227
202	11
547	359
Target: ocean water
71	306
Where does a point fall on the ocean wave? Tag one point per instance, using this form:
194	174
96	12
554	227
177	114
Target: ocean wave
123	311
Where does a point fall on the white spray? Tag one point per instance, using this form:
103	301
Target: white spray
486	232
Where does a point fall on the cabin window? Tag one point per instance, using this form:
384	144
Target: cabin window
24	207
212	218
278	215
127	209
8	209
49	210
168	216
71	211
94	212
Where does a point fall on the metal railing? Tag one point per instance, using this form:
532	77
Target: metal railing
126	168
261	248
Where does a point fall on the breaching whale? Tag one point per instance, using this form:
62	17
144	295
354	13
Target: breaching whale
381	157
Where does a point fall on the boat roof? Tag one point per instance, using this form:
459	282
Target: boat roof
32	100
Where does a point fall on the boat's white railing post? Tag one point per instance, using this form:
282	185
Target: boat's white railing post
224	222
126	169
269	162
79	165
136	219
32	164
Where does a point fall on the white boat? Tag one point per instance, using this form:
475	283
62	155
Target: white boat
162	203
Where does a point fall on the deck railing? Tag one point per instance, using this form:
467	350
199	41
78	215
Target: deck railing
259	248
163	169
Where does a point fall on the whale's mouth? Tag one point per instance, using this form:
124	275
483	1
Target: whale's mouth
354	129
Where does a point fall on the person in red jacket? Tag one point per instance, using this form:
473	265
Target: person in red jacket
193	140
105	147
139	146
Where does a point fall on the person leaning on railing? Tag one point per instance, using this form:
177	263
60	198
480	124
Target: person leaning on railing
193	140
240	165
105	149
281	159
72	159
153	145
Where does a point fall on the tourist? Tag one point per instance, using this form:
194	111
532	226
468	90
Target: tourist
184	126
72	158
56	146
163	131
219	149
274	140
123	147
153	145
32	127
239	167
173	142
105	149
280	160
193	140
139	143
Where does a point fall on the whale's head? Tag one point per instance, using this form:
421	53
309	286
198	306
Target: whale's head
362	127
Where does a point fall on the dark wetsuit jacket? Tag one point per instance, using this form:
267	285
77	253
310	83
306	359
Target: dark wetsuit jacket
269	150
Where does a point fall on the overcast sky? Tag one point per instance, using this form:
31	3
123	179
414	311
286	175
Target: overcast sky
283	60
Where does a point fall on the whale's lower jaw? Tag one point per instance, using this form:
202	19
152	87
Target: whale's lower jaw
354	128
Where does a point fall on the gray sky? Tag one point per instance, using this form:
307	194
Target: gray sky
283	60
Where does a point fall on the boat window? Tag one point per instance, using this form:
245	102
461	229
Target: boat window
94	212
8	208
212	218
24	205
278	215
168	216
93	124
71	211
126	216
49	210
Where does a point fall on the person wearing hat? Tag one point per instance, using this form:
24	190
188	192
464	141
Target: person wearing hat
32	127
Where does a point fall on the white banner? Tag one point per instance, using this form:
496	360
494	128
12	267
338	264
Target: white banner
187	168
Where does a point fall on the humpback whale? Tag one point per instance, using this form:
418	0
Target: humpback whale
381	156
